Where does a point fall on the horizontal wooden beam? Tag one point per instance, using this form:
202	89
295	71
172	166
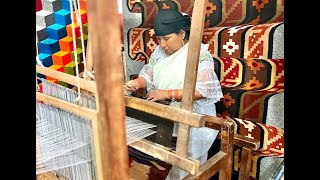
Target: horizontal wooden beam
82	111
164	111
213	122
164	154
210	167
67	78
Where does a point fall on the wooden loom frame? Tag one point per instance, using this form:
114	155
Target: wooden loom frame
109	133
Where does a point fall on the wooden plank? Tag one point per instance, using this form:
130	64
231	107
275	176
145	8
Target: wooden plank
168	112
164	154
196	31
210	167
106	47
70	79
82	111
245	163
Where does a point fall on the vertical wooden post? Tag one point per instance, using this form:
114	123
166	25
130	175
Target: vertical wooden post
195	40
245	163
227	138
109	130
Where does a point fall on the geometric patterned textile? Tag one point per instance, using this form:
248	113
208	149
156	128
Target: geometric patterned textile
232	28
249	105
59	42
252	105
251	74
247	86
243	41
150	9
238	15
271	138
211	37
234	12
264	11
271	142
257	39
138	49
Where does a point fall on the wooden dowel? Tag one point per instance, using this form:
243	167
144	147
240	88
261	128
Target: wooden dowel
82	111
164	111
70	79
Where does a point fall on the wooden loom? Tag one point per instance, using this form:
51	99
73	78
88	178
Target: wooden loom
109	130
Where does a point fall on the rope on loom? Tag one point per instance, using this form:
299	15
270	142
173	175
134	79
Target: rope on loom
78	17
75	50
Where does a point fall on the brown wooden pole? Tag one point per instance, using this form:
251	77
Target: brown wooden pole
245	163
227	139
112	162
195	40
